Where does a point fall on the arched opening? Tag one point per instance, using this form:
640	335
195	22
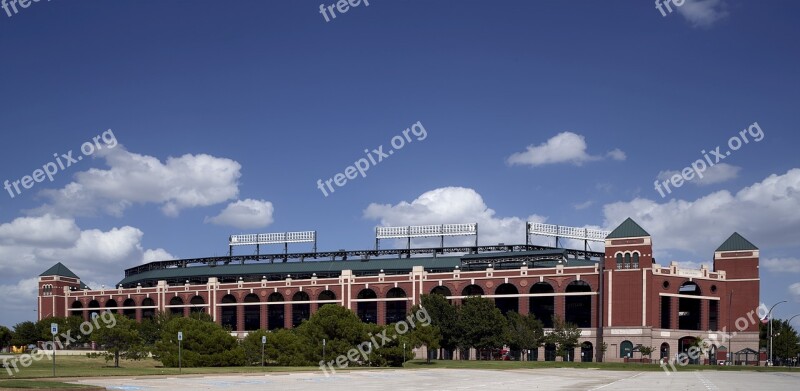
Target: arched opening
367	310
664	351
148	313
228	312
683	347
626	349
543	307
252	312
628	261
301	308
635	260
549	352
128	309
441	290
395	309
587	351
326	295
620	264
176	301
197	304
578	308
689	313
506	304
275	312
472	290
77	309
94	309
110	306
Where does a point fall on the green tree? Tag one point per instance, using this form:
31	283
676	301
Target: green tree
120	338
5	336
287	348
25	333
444	316
523	332
340	327
205	344
69	325
784	341
480	324
565	336
252	347
646	351
423	334
150	330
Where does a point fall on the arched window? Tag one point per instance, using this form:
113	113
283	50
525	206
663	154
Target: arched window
625	349
628	261
619	261
636	260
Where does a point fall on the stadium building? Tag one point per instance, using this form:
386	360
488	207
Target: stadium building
620	297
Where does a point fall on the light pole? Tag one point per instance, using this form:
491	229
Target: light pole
730	342
769	317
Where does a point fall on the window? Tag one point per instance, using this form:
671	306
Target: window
619	261
628	261
636	260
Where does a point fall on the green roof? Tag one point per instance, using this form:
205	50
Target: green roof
59	270
628	229
290	268
737	243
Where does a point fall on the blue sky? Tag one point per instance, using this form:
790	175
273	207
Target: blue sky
225	114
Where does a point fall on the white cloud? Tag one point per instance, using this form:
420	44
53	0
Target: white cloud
20	297
42	230
765	213
565	147
617	154
91	254
782	265
718	173
703	13
156	255
453	205
583	205
245	214
794	289
181	182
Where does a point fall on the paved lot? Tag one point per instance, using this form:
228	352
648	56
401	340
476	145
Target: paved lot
463	379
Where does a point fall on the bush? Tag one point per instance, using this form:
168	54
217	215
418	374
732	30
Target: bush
204	344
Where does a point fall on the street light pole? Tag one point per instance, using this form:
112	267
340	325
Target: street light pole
730	342
769	317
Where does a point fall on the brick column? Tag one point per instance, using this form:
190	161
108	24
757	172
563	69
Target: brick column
381	313
559	309
186	311
239	318
524	305
138	315
314	308
287	315
263	315
704	314
673	313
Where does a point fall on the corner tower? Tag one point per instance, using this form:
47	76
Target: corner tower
52	286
